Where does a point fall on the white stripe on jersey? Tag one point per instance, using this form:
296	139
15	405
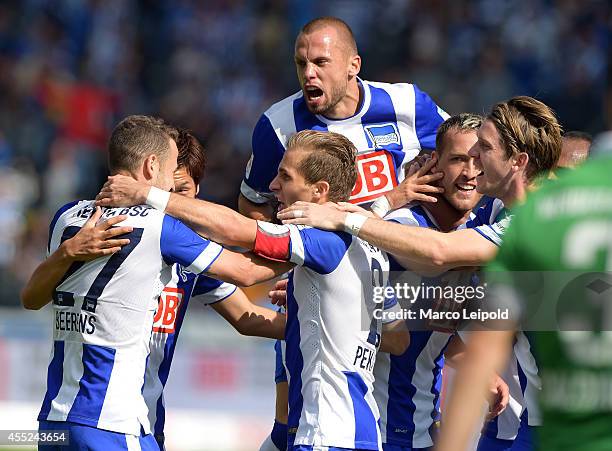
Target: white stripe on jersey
205	259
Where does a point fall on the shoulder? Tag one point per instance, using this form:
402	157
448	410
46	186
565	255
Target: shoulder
408	215
278	110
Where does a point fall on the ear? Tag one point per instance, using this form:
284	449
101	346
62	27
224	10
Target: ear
320	190
520	162
354	65
150	167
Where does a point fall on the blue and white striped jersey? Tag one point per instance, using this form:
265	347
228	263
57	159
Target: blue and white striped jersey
407	387
331	336
394	122
173	303
103	316
521	374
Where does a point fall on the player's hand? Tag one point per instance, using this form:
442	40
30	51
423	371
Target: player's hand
500	395
122	191
278	296
94	241
326	217
418	184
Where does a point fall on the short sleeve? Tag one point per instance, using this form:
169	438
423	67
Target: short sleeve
428	117
179	244
315	249
262	167
207	290
402	216
51	244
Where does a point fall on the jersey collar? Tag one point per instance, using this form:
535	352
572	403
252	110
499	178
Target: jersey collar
355	118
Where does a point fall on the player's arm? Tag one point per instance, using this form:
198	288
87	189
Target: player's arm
417	248
487	353
216	222
92	241
259	212
245	269
251	319
254	198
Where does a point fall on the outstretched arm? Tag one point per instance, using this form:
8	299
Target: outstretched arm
245	269
92	241
420	249
215	222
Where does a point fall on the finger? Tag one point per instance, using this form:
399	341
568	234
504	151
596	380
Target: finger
425	168
108	244
429	189
103	202
112	221
298	221
412	169
424	198
93	218
294	213
115	232
281	284
428	178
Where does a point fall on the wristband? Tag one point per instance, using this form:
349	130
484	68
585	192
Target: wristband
381	207
353	223
158	198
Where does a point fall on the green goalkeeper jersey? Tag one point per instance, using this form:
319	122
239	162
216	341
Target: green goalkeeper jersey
566	228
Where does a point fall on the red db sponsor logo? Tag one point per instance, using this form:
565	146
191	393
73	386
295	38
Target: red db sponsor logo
165	317
375	176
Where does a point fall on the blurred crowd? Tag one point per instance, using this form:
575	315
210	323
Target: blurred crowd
69	69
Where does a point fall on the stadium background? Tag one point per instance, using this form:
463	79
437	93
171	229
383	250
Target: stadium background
69	69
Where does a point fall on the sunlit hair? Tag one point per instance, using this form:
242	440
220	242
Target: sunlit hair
528	125
463	122
331	158
135	138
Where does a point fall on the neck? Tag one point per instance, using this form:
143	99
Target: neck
135	175
447	216
517	191
349	104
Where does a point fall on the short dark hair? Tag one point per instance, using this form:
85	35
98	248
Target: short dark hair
527	125
340	25
136	137
576	134
331	158
462	122
190	154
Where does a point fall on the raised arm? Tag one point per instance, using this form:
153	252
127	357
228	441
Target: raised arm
245	269
91	242
216	222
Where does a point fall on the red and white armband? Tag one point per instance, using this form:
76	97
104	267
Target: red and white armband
273	241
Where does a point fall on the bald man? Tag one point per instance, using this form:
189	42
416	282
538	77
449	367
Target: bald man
388	123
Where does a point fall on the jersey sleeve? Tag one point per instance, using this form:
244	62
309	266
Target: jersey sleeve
402	216
262	167
428	117
315	249
207	290
53	244
179	244
490	221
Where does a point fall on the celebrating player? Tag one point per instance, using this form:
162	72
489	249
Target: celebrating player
518	144
388	123
330	353
553	235
104	308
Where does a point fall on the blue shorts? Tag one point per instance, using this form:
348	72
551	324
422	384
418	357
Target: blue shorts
87	438
524	441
